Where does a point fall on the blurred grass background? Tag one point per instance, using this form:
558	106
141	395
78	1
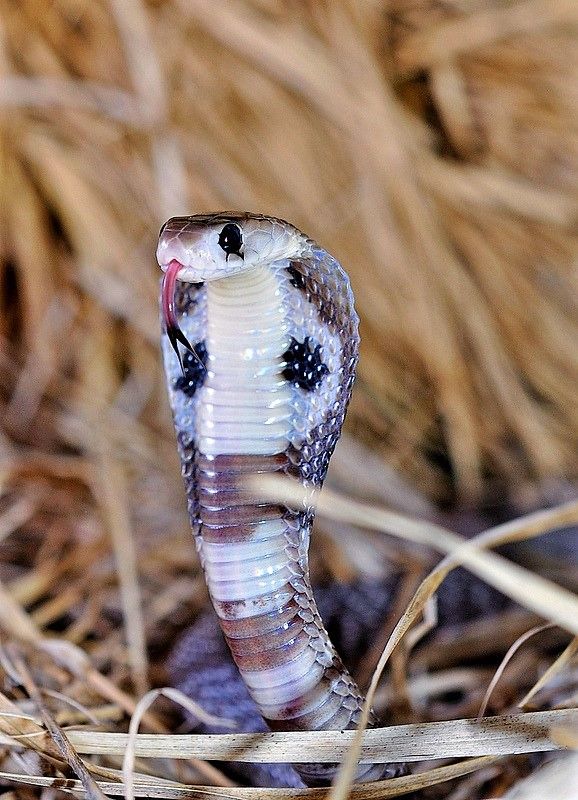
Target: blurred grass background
431	145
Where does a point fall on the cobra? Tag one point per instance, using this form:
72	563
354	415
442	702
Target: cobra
270	336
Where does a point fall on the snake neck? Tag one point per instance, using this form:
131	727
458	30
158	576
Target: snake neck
255	553
245	405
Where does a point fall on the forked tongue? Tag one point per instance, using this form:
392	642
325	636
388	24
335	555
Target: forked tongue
174	333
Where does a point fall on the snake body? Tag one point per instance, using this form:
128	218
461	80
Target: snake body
269	315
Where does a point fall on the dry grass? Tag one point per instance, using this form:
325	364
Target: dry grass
433	147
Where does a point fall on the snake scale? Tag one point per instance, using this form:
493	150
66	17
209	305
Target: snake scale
261	385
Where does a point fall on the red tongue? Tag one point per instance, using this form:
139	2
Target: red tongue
174	333
168	295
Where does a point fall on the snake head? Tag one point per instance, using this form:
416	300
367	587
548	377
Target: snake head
209	247
213	246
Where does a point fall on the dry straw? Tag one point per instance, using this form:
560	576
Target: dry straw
433	147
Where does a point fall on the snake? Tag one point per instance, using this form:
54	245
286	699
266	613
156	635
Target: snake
260	345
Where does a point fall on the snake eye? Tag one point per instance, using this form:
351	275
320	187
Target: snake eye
231	240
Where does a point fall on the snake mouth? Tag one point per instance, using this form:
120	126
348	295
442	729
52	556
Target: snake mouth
174	333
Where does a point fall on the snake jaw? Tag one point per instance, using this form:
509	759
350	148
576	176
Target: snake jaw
174	333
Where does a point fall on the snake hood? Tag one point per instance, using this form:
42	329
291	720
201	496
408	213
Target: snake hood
269	315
